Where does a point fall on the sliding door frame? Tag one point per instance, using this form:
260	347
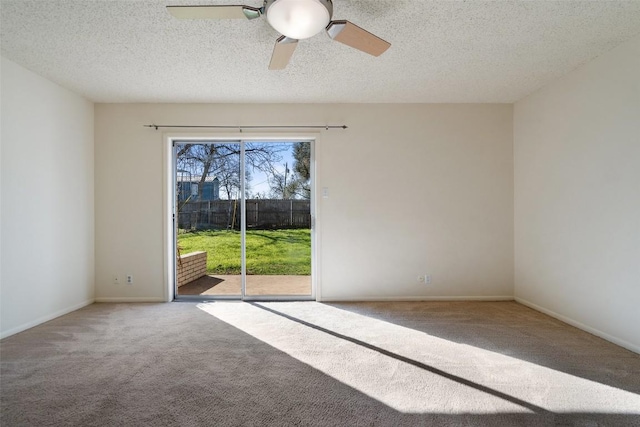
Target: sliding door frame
170	214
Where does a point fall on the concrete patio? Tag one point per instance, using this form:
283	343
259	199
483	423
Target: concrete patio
256	285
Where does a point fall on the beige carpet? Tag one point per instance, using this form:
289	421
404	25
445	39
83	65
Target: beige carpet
306	363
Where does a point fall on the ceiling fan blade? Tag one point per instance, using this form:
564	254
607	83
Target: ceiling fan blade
356	37
214	12
282	52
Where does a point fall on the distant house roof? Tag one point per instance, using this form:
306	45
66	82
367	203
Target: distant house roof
195	178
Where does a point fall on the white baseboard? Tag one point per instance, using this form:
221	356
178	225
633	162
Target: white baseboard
46	318
418	298
568	320
131	299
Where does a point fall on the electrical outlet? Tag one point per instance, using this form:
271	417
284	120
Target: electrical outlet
116	280
426	279
129	279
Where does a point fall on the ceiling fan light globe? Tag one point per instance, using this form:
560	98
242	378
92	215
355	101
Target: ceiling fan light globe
299	19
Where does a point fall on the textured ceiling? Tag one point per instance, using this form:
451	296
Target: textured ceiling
442	51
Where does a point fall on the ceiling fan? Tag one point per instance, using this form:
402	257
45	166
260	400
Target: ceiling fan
295	20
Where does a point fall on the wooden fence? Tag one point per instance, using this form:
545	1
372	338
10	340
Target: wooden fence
261	214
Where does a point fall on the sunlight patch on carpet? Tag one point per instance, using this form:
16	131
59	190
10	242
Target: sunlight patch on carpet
412	371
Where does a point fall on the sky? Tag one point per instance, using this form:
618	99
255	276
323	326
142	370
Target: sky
259	180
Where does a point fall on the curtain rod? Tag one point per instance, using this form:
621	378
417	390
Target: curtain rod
326	127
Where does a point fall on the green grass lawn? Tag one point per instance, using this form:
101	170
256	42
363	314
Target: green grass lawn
269	252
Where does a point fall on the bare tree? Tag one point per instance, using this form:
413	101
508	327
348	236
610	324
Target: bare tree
294	184
223	162
227	170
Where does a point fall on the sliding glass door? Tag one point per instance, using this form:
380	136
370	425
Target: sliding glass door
278	222
243	216
208	227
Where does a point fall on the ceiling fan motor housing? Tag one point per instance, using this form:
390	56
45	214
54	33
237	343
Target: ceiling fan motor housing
299	19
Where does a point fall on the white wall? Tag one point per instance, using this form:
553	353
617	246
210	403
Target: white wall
47	227
577	197
413	189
